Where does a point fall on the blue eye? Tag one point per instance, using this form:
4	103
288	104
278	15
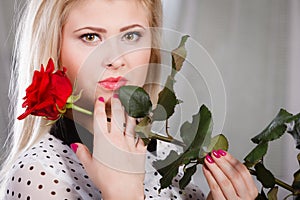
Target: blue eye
90	37
132	36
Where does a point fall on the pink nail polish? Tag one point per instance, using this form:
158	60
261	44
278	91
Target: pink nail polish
216	154
116	96
101	99
74	147
209	159
222	152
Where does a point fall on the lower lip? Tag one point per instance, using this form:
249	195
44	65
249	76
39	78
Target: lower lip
112	85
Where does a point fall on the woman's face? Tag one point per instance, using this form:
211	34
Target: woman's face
103	46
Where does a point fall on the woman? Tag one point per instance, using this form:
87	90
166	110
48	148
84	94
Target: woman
42	164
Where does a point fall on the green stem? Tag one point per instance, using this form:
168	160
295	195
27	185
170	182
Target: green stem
167	139
284	185
79	109
285	198
167	130
277	182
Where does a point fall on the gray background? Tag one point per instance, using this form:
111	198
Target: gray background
6	38
256	47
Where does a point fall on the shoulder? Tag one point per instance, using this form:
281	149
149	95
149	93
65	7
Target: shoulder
152	178
49	169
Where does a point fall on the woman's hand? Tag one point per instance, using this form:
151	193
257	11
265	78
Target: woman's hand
228	178
117	166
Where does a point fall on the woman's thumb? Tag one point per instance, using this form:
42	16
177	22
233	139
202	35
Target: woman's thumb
82	153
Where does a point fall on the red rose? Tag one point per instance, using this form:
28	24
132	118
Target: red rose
48	93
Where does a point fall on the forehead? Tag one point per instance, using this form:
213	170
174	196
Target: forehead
108	12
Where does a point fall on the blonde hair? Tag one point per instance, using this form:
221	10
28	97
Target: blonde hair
153	77
37	39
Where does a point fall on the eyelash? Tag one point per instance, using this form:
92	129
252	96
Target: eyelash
135	33
84	37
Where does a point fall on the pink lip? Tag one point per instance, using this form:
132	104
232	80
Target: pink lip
113	83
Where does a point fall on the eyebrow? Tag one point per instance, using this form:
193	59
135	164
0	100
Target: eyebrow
131	26
102	30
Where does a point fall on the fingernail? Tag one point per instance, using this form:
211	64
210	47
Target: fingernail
116	96
101	99
209	159
216	154
74	147
222	152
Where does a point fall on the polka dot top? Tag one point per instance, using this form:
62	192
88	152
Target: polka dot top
51	170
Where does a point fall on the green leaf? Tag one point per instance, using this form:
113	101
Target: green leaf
203	134
276	128
161	164
266	178
167	99
179	54
295	132
261	196
256	154
74	98
204	130
203	121
296	181
135	100
218	142
143	129
272	194
186	179
188	130
167	102
167	168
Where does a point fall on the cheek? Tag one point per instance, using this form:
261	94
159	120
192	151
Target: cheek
71	58
139	64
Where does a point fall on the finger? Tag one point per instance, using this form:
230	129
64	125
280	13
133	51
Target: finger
101	132
242	169
118	115
232	173
84	156
100	118
222	180
90	165
130	134
141	145
215	190
130	126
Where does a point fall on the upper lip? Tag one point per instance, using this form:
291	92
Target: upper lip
113	79
113	83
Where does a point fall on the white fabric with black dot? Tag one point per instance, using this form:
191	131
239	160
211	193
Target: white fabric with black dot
51	170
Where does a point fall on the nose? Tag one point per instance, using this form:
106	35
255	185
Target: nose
115	63
113	55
